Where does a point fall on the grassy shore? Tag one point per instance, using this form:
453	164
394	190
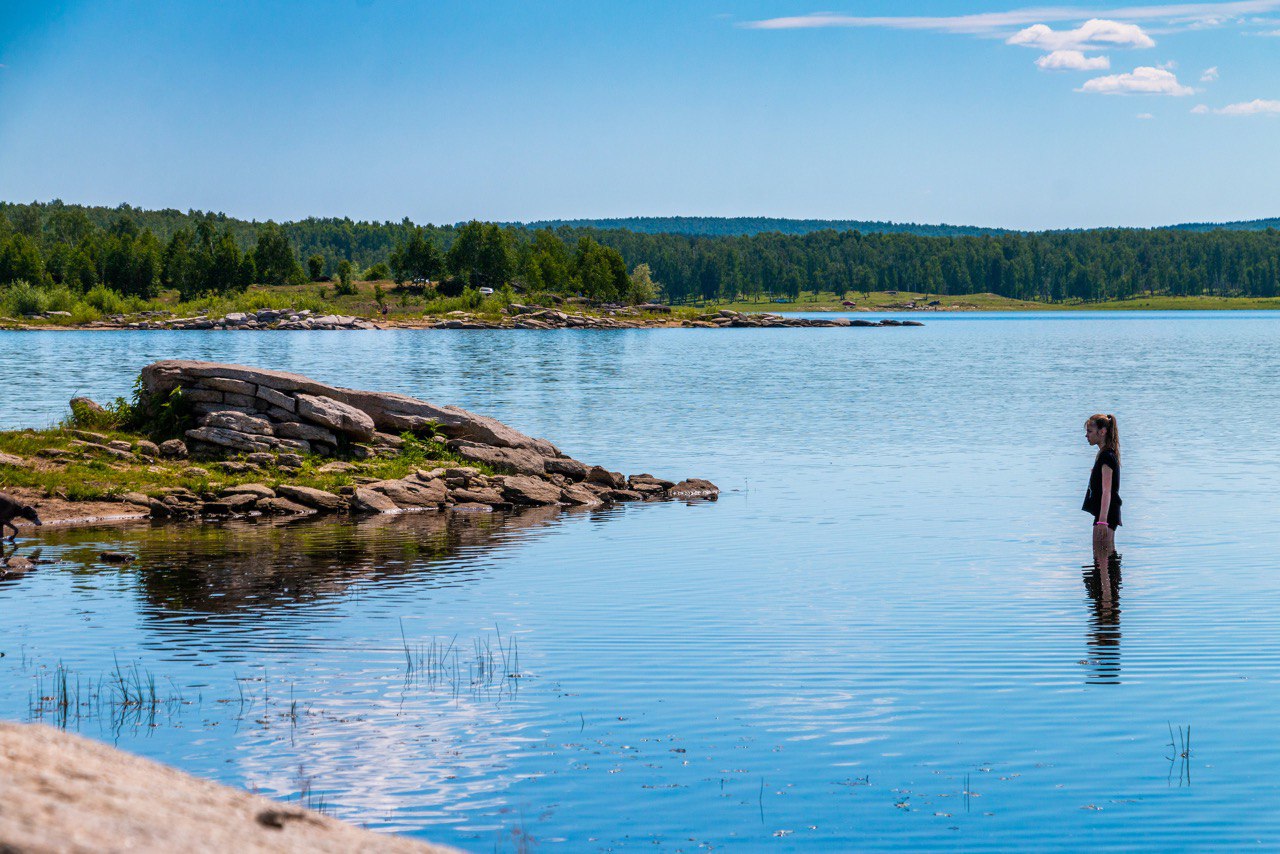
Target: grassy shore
75	464
416	307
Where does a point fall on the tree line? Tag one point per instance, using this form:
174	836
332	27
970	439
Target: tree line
135	252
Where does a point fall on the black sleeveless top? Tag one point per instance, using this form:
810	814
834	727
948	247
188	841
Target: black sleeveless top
1093	498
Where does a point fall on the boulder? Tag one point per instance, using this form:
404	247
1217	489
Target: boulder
570	468
579	495
283	507
412	493
62	792
239	422
528	490
319	499
367	500
518	460
604	477
337	416
173	449
695	488
12	460
257	490
148	449
485	495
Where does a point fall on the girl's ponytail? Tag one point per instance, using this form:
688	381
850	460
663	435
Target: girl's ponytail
1108	423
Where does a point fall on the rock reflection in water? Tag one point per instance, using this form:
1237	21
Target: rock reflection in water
1103	638
249	565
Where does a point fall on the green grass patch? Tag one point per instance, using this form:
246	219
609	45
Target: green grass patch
87	473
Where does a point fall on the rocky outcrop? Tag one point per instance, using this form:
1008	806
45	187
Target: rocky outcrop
62	792
270	415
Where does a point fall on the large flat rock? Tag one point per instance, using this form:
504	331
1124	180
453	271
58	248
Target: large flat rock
390	413
64	793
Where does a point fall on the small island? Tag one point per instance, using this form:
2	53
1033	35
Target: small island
203	440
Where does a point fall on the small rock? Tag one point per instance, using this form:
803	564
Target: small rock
18	565
148	449
620	495
194	471
136	498
336	468
84	404
120	445
12	460
261	459
289	461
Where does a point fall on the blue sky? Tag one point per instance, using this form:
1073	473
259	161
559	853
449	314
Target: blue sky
976	113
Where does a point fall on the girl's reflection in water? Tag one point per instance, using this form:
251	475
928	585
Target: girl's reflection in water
1102	581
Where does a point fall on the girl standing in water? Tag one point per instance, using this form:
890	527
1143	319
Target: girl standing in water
1102	500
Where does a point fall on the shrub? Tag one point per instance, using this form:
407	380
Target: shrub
377	272
59	298
24	298
82	312
105	300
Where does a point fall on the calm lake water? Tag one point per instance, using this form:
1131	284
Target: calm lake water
880	636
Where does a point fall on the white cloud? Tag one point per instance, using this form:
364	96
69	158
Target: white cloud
1143	80
1144	116
1093	33
1256	107
994	22
1072	60
1209	75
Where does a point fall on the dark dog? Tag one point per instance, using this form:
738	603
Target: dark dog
11	509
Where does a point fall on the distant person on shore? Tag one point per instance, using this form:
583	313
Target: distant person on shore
1102	500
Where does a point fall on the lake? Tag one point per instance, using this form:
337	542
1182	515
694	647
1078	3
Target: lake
880	636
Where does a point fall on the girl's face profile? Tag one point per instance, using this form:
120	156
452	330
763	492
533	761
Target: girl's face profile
1092	433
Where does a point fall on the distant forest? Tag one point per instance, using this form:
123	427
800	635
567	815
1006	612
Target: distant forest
137	252
746	226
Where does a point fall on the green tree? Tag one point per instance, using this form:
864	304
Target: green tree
345	287
20	258
273	256
315	267
417	258
482	255
641	287
600	271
